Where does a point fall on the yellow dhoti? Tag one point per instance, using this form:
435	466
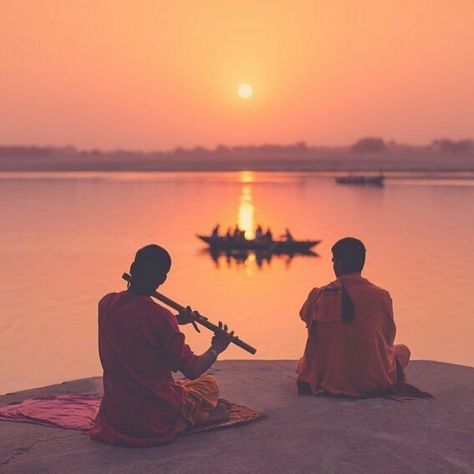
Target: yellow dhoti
201	399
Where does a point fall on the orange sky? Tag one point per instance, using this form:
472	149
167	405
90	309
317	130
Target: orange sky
157	74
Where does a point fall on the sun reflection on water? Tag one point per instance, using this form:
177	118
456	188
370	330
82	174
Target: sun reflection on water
247	177
250	264
246	214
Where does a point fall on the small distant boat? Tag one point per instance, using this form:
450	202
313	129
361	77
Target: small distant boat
361	180
274	246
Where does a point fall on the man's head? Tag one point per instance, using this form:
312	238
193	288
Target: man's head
150	268
348	256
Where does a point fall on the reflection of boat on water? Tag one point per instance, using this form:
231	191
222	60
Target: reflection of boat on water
248	258
361	180
263	246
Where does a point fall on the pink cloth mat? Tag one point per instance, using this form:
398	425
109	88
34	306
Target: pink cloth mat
77	412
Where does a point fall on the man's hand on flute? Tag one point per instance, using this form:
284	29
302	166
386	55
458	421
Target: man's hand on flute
189	316
219	344
222	338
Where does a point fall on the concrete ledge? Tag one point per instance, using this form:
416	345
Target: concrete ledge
301	434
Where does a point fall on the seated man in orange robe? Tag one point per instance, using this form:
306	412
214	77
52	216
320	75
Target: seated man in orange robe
350	348
140	346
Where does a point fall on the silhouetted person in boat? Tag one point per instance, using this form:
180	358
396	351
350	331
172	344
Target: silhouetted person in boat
350	348
258	233
239	235
215	231
228	234
269	236
287	236
140	346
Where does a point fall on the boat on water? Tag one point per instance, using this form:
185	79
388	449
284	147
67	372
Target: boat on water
361	180
259	245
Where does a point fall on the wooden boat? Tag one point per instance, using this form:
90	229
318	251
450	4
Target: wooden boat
361	180
275	246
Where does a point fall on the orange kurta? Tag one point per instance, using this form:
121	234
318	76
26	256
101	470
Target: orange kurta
351	359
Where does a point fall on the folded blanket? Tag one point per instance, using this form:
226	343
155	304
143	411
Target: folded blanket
78	411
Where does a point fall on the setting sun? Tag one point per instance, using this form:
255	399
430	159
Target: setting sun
245	91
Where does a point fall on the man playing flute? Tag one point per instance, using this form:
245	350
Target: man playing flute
140	345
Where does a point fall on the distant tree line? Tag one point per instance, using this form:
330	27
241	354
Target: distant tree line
453	146
365	145
369	145
378	145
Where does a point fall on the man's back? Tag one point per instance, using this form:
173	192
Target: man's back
348	358
140	345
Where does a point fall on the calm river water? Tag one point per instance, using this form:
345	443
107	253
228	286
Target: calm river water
66	238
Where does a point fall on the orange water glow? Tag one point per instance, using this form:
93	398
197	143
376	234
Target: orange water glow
66	243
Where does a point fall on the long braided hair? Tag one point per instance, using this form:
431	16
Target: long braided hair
347	306
350	252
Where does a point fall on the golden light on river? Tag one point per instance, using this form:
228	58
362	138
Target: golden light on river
247	177
246	217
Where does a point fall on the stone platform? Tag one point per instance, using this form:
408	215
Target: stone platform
299	435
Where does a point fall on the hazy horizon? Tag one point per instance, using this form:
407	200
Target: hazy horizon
231	145
155	76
